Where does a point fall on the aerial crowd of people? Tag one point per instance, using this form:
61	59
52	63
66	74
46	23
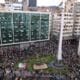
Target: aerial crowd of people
9	55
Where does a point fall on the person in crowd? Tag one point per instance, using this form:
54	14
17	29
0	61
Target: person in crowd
1	73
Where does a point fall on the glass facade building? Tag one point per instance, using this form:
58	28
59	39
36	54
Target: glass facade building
19	27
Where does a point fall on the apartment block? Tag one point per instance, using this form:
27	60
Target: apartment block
68	25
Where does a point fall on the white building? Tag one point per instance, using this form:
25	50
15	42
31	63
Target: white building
68	25
71	27
71	20
14	6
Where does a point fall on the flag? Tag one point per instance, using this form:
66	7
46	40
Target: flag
61	3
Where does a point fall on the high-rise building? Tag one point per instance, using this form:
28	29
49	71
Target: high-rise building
68	25
29	4
32	3
71	20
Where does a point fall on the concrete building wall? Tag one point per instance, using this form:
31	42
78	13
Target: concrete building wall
77	25
68	25
71	20
69	5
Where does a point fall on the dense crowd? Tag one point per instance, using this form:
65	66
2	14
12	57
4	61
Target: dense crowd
72	59
11	54
10	74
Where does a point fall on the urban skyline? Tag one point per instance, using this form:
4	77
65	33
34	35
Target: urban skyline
42	3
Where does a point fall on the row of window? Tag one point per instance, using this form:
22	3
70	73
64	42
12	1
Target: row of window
20	27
